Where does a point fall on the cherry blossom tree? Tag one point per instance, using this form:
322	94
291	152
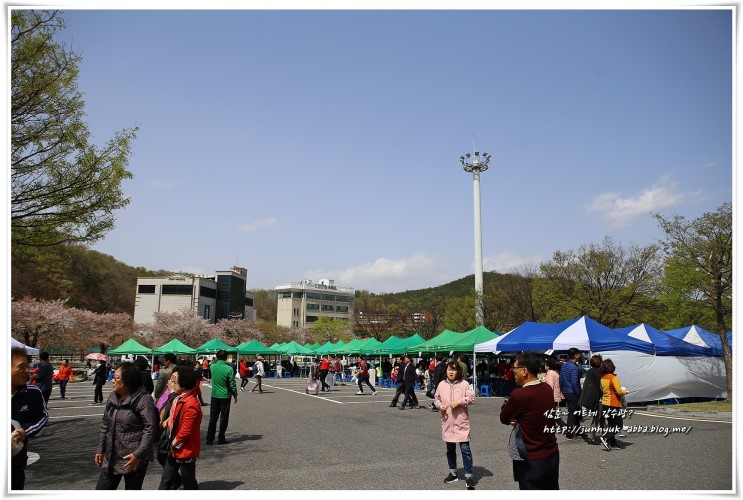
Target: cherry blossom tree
185	325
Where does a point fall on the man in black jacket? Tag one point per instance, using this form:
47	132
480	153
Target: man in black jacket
408	378
99	378
399	386
44	376
591	395
439	372
28	409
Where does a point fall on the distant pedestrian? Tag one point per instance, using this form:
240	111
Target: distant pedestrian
128	427
324	368
396	376
528	408
590	398
408	378
223	386
259	372
169	363
363	376
27	410
64	376
552	378
453	397
183	430
44	376
570	374
147	383
99	378
611	403
244	373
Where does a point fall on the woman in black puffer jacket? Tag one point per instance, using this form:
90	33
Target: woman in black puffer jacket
128	429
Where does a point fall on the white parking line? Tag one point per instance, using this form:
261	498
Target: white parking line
692	419
303	394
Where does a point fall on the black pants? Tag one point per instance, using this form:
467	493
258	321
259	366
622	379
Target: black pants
258	384
98	394
132	481
573	414
17	478
541	474
46	395
410	393
220	410
398	392
171	470
244	382
322	376
62	387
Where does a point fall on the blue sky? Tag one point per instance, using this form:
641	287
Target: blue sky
326	144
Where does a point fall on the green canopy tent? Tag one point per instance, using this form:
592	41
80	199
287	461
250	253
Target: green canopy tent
293	347
350	346
366	347
437	344
131	346
404	344
323	349
176	347
254	347
213	346
475	336
313	347
387	346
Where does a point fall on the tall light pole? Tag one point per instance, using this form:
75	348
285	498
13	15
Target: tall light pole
477	164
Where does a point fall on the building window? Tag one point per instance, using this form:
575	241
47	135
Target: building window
208	292
297	295
311	319
341	309
313	307
314	296
283	295
328	297
176	289
207	311
146	289
328	308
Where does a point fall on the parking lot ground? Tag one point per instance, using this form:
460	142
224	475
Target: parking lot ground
285	439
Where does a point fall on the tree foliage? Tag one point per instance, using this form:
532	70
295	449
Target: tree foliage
603	281
330	329
699	270
63	188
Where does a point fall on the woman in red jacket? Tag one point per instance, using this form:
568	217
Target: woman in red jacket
183	426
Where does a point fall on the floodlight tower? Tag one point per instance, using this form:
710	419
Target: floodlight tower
477	164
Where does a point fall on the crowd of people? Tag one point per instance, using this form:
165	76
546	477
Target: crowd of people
144	419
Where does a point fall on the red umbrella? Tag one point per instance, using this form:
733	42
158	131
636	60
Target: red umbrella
97	355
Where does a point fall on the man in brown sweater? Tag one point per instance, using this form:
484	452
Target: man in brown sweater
530	406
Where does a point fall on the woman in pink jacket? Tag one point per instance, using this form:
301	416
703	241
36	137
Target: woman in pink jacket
453	396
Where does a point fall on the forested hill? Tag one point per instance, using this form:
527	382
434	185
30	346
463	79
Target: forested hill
84	278
92	280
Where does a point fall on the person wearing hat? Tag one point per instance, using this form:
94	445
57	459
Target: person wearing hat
258	373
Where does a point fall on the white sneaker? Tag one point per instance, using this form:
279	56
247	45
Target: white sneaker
374	393
359	392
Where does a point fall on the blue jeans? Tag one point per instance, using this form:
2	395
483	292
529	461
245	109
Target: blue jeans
451	456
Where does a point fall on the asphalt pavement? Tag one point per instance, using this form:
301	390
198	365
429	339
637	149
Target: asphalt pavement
285	439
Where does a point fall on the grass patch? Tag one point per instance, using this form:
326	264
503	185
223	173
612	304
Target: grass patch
702	406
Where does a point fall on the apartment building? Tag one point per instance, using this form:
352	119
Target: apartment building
223	295
299	304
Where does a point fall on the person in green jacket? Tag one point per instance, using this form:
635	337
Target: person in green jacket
223	386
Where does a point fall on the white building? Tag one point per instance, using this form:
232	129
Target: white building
223	295
299	304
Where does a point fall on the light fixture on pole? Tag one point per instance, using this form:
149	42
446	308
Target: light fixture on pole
477	164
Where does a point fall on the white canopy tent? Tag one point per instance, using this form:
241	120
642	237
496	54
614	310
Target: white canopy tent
29	350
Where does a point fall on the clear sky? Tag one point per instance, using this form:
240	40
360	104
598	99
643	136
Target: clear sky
326	144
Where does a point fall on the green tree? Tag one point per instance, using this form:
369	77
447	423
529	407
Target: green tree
460	313
331	329
699	269
604	281
63	189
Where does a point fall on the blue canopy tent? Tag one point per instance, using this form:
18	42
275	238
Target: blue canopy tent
699	336
583	333
664	344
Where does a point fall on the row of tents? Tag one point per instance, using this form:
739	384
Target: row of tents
653	364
